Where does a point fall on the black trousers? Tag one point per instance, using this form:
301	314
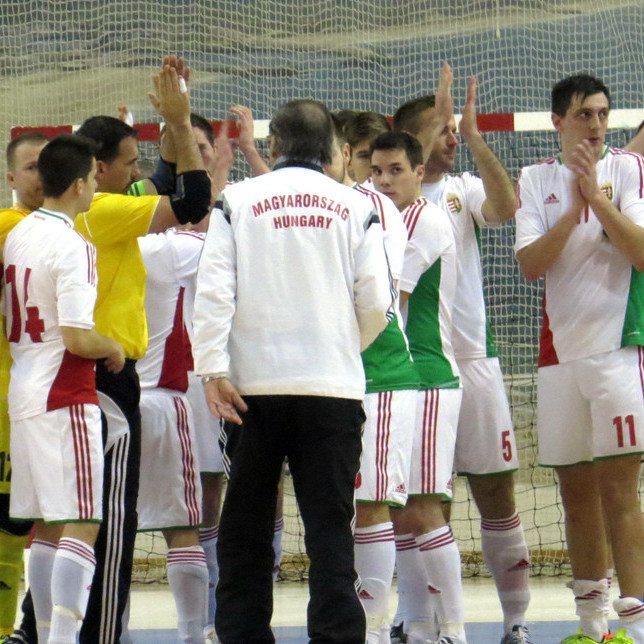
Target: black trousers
119	395
321	439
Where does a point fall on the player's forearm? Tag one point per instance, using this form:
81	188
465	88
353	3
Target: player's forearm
536	258
88	343
622	232
500	199
187	152
253	158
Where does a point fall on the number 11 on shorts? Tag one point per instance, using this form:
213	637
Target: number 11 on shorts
618	423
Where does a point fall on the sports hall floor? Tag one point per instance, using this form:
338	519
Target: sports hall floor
550	615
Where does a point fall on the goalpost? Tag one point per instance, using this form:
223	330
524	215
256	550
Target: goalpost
67	60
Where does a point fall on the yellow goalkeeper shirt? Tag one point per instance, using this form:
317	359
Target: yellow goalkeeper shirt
113	224
9	217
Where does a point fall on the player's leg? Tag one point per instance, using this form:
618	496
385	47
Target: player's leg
422	517
244	547
383	479
170	500
324	457
486	452
566	443
114	548
278	528
613	385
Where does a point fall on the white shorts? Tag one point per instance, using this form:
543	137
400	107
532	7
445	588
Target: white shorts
387	438
591	408
432	456
57	460
485	441
169	488
207	428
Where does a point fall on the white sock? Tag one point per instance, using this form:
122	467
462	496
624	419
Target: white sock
208	541
443	565
630	611
71	581
278	531
375	557
589	600
506	555
41	562
188	579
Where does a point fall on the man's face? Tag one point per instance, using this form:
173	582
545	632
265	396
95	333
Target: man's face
393	175
118	174
585	118
443	153
359	166
24	178
206	150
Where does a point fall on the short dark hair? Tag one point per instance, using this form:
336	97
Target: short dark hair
302	130
583	85
400	141
27	137
407	116
63	160
107	132
203	124
365	126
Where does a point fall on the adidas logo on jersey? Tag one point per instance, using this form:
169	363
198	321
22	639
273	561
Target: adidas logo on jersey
521	565
363	594
401	488
432	590
550	199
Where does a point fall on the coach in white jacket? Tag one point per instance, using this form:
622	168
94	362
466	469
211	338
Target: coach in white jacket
293	284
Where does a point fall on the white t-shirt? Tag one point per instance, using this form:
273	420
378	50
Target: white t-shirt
462	197
49	282
594	298
293	282
171	260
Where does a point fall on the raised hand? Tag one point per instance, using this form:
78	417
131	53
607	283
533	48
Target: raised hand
467	127
583	162
170	99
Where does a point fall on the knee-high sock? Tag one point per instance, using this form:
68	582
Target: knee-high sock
71	581
589	600
630	611
208	541
11	551
278	531
375	556
443	566
506	555
188	579
41	562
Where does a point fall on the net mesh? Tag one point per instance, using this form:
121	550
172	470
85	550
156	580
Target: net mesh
65	60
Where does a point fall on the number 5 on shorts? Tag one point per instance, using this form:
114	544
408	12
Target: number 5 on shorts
506	446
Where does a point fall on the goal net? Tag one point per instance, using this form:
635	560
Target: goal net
66	60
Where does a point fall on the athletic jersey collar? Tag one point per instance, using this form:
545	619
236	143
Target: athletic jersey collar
283	162
56	215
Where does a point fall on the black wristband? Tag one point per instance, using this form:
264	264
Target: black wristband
164	177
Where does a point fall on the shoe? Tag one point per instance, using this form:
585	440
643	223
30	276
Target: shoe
518	635
620	637
397	634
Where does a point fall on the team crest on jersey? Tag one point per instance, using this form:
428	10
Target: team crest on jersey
454	203
607	189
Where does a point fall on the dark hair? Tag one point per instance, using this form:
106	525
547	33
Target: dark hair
302	130
107	132
27	137
63	160
582	85
407	116
400	141
338	127
198	121
365	126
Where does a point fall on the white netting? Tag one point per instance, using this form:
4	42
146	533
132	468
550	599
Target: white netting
65	60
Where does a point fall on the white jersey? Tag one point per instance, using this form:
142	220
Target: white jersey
393	227
49	282
593	298
462	197
293	282
429	275
171	260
